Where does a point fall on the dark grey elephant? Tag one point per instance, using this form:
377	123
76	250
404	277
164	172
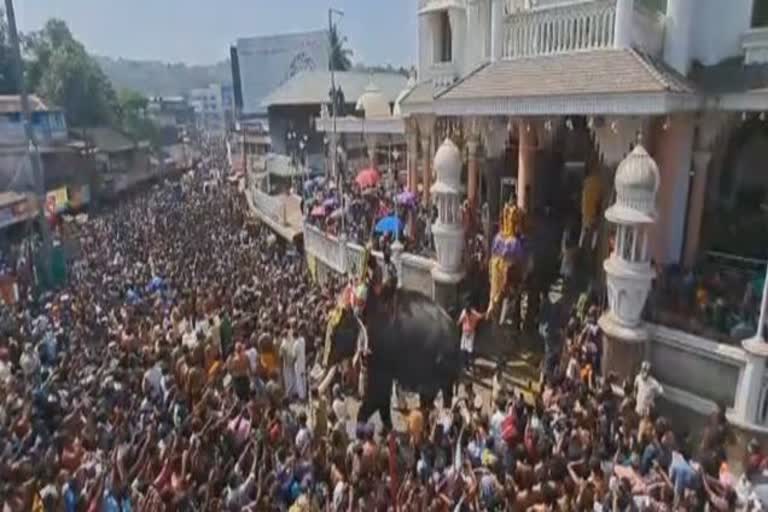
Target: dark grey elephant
411	340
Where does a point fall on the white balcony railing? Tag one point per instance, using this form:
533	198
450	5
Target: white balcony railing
562	27
755	45
443	74
438	5
270	206
325	248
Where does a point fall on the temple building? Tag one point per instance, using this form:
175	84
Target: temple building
544	99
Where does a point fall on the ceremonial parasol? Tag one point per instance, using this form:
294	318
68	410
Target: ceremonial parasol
389	224
367	178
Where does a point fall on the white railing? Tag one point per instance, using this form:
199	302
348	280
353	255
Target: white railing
443	74
415	270
437	5
648	30
560	29
755	45
325	248
269	206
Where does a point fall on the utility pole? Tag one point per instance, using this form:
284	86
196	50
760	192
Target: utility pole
32	149
334	98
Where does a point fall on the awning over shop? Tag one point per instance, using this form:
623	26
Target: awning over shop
611	81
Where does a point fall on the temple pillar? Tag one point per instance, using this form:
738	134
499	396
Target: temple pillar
622	29
497	29
412	142
674	154
426	134
526	164
426	169
370	144
701	160
473	171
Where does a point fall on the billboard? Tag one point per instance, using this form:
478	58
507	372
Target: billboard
265	63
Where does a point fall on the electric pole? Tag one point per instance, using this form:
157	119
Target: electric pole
32	149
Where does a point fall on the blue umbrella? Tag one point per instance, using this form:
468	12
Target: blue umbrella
389	224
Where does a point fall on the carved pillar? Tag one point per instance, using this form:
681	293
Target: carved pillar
497	29
473	171
698	194
426	166
412	142
622	30
710	129
370	143
526	163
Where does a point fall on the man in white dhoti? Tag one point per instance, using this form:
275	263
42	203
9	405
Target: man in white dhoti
287	363
300	365
646	390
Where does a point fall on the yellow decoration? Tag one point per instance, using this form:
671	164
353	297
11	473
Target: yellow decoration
590	199
512	221
498	274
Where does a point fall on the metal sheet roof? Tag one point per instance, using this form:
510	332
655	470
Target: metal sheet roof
312	87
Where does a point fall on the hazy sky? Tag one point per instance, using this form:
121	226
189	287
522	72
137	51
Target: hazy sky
200	31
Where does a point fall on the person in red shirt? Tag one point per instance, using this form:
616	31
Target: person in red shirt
468	320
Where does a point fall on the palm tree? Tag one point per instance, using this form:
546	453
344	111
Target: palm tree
340	56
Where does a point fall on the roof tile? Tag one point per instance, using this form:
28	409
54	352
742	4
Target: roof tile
593	72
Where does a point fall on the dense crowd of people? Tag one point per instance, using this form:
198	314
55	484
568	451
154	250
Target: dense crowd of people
364	207
172	373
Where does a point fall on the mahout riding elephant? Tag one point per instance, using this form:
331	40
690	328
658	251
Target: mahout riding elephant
410	340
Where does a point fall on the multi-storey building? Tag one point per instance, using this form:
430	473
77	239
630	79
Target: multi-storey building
538	94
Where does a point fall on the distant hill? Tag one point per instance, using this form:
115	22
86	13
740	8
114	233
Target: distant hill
155	78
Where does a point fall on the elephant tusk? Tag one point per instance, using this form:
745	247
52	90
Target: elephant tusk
327	380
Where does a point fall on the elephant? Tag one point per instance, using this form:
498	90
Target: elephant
410	339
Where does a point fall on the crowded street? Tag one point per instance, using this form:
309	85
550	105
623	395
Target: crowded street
402	256
172	373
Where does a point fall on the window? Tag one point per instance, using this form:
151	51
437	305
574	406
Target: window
443	38
760	13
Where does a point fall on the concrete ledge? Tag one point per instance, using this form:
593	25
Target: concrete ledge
697	345
688	400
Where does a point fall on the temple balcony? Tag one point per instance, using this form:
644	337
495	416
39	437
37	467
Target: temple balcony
754	42
548	27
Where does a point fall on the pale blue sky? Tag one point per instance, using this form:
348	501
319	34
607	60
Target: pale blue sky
200	31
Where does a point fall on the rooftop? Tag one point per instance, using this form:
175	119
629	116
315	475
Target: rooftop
11	103
594	72
312	87
105	138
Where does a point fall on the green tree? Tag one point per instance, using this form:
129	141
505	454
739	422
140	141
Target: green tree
340	56
62	72
132	112
132	103
8	83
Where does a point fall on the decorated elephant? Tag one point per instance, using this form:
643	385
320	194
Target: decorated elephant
510	260
408	338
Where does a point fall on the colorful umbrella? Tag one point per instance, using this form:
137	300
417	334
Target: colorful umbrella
330	202
367	178
407	198
318	211
389	224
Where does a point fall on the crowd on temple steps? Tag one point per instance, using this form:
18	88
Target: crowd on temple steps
172	373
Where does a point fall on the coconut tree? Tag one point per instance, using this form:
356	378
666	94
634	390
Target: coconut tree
340	56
